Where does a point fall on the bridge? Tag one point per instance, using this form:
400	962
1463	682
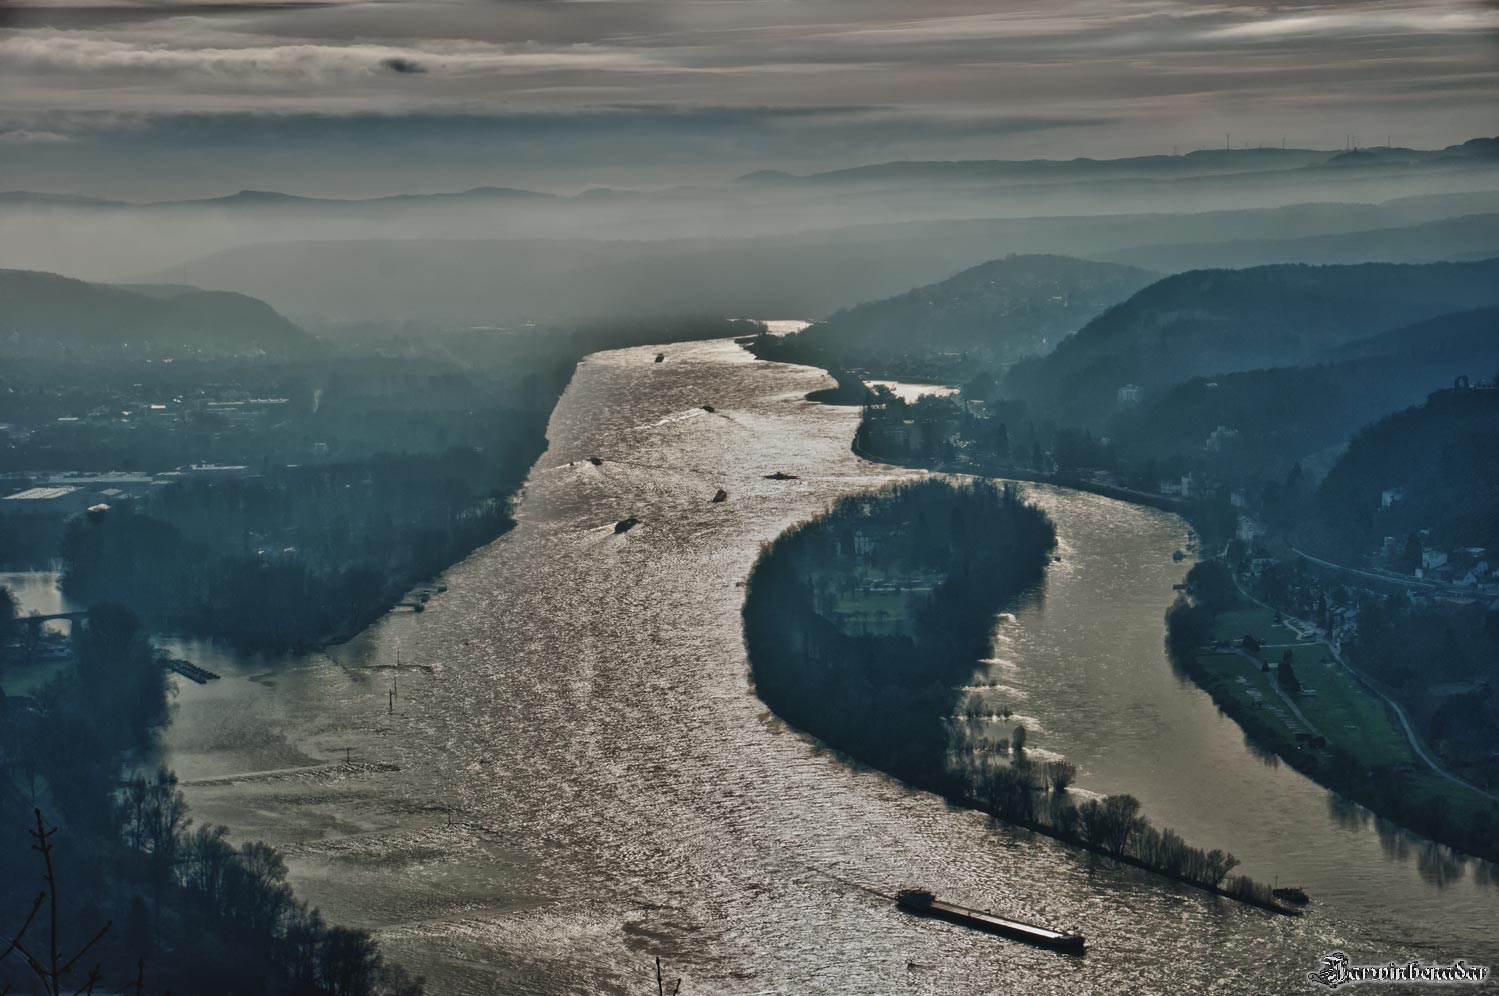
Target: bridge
36	619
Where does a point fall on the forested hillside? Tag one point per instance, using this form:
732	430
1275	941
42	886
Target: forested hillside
1440	457
1223	321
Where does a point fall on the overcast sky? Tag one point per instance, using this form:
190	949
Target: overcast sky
166	97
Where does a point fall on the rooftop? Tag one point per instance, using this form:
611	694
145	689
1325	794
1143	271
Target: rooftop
40	494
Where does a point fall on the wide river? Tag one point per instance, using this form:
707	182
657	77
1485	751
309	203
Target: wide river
577	775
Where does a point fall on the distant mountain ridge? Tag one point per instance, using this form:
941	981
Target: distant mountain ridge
1477	151
42	313
1473	150
1425	242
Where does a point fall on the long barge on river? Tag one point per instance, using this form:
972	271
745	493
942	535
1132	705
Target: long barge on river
923	903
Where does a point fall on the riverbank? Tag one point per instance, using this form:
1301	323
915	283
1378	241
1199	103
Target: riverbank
1165	503
1328	724
617	789
864	625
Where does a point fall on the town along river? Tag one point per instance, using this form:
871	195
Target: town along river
577	775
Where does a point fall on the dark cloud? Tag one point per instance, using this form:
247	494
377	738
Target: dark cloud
397	64
576	84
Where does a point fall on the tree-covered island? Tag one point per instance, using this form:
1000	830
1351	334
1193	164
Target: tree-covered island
864	625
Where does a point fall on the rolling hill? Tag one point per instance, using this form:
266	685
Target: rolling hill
45	313
1213	322
999	311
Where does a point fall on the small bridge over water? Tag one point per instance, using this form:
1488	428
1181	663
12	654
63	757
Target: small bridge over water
37	620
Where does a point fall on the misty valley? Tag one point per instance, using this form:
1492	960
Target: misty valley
561	498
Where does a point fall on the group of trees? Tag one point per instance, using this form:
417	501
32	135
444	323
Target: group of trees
296	556
201	914
886	698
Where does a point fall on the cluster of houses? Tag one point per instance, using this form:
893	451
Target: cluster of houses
1466	566
227	405
64	495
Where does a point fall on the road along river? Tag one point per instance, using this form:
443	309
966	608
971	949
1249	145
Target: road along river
577	776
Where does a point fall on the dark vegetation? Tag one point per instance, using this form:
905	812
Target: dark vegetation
1393	646
181	909
1443	459
1224	321
986	317
940	560
864	624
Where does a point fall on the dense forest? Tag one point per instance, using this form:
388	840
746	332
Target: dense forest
1439	457
864	625
1222	321
985	317
952	556
138	894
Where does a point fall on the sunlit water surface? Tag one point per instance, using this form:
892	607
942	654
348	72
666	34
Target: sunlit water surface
577	776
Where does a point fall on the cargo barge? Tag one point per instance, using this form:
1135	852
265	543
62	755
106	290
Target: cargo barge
923	903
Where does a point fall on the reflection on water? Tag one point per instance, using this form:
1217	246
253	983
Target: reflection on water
583	779
909	391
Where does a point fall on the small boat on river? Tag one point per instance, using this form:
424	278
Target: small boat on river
721	496
626	524
660	357
1291	894
923	903
781	475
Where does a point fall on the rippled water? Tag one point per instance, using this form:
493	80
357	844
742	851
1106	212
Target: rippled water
584	778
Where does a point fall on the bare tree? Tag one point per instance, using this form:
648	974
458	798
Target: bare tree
1060	774
51	965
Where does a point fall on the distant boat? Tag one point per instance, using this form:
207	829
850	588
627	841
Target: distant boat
626	524
1291	894
596	461
923	903
781	475
660	357
721	496
1178	555
709	409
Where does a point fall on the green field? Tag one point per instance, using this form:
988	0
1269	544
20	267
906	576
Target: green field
1344	711
1336	705
1253	621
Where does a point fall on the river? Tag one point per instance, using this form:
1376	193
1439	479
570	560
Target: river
577	776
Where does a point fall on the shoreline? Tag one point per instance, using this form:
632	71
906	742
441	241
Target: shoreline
774	672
